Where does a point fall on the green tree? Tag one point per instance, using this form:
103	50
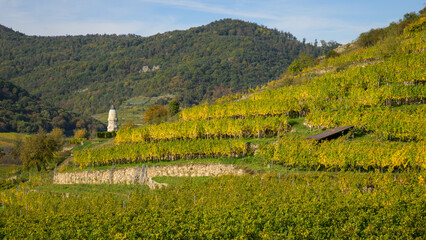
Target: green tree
128	124
39	150
299	64
155	114
173	107
58	135
80	133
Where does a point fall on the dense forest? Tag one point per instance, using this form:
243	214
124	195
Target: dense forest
21	112
86	74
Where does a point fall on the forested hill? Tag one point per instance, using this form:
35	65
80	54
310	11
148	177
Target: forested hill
21	112
86	74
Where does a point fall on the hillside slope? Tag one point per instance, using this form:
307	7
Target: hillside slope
377	88
21	112
86	74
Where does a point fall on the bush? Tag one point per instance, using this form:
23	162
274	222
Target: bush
173	107
39	150
128	124
77	140
80	133
156	114
371	37
299	64
331	54
106	134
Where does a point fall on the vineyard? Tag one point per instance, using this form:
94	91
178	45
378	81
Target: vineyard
164	150
352	155
369	183
215	128
318	205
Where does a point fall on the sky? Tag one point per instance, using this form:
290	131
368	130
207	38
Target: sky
337	20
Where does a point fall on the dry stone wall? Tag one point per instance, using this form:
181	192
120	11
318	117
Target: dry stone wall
134	175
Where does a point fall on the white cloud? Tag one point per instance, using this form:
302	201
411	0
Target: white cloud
315	24
198	6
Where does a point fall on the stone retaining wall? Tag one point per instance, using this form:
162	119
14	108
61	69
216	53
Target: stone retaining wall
138	175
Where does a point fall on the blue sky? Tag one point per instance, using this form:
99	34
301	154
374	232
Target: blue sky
339	20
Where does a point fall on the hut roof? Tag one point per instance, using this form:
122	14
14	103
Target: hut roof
330	133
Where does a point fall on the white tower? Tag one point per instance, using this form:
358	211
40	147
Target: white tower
112	120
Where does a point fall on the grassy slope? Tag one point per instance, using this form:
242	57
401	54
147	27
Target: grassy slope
133	109
7	139
6	170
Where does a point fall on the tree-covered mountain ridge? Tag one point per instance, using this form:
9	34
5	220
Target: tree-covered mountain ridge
86	74
22	112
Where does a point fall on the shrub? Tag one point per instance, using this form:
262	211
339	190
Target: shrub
106	134
155	114
77	140
173	107
331	54
80	133
299	64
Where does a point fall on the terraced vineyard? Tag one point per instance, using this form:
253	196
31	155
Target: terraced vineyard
164	150
367	92
369	183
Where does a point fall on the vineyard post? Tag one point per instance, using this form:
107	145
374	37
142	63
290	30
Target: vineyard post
111	173
135	175
141	174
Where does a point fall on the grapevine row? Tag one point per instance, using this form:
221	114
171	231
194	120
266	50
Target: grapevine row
386	122
217	128
162	150
355	154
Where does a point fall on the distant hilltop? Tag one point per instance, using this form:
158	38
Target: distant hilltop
196	65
